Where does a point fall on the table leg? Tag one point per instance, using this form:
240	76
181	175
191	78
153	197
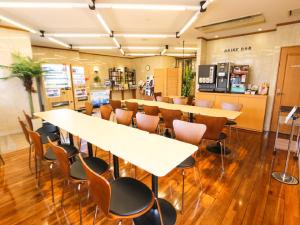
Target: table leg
191	117
116	166
90	149
152	217
71	139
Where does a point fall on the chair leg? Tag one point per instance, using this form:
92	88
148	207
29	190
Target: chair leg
36	167
29	155
222	155
95	216
51	178
79	199
2	160
182	193
159	212
63	193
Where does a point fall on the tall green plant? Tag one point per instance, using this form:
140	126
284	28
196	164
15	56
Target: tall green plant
25	69
187	81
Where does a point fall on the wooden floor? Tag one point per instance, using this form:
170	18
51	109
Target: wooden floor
246	194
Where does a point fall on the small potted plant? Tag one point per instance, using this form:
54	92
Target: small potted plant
26	69
187	81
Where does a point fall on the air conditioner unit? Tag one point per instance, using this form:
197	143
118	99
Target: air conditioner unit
233	23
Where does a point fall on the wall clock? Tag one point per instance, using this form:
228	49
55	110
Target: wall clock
147	68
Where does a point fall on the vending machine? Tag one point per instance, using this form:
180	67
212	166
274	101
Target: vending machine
223	77
80	87
238	78
57	85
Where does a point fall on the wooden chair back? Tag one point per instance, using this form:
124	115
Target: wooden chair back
62	159
99	188
191	133
124	117
147	122
151	110
180	101
28	119
156	94
204	103
169	115
88	108
25	131
105	111
132	106
163	99
214	126
37	144
148	98
115	104
231	106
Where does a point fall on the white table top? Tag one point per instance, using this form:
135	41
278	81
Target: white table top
155	154
232	115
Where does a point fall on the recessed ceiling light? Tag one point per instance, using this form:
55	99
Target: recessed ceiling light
259	29
216	36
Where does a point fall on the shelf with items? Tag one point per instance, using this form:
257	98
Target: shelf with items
122	78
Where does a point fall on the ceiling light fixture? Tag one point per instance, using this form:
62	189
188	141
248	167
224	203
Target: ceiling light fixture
203	6
165	49
122	51
58	42
185	48
259	29
142	47
146	35
216	36
10	21
147	7
39	5
141	54
95	47
116	42
76	35
103	23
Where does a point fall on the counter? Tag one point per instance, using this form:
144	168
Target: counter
253	111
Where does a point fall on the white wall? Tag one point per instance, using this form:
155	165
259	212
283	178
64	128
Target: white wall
263	58
13	98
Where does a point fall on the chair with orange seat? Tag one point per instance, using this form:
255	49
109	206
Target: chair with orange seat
124	117
105	111
163	99
204	103
169	115
180	101
134	107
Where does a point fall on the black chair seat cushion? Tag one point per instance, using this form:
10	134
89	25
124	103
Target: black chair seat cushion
222	136
189	162
230	123
45	129
97	165
129	196
52	137
50	155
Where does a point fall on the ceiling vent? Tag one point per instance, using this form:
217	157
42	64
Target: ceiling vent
294	12
233	23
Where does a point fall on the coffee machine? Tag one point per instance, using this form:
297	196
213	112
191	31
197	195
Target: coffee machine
207	77
223	77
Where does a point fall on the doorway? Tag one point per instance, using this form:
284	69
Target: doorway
288	83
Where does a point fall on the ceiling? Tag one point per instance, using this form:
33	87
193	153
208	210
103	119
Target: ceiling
126	20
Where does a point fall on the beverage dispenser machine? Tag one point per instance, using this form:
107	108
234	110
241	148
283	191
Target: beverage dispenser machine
223	77
207	77
238	78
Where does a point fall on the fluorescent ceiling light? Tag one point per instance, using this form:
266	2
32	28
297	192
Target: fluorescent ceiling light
7	20
189	23
179	54
122	51
142	47
39	5
95	47
75	35
141	54
147	7
163	51
146	35
58	42
116	42
185	48
103	23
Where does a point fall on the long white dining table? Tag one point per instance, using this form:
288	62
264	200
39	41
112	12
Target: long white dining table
155	154
231	115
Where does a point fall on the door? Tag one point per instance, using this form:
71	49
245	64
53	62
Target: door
288	82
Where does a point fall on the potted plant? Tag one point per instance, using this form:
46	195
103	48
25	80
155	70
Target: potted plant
25	69
187	81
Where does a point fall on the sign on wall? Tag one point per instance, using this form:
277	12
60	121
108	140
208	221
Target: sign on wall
240	49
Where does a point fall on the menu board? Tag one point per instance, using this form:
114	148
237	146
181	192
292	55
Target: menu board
78	75
56	76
